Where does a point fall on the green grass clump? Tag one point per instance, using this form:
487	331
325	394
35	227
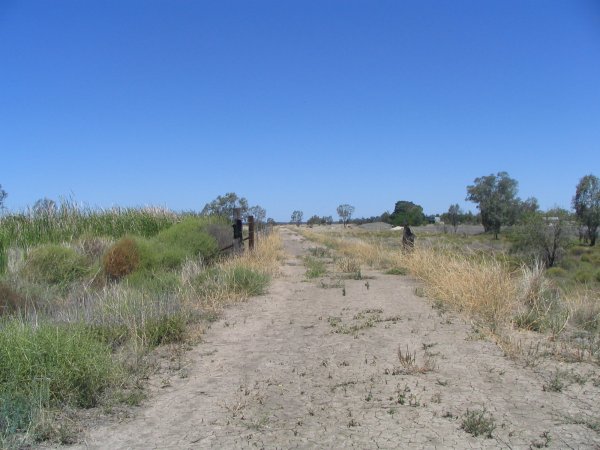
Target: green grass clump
314	267
234	281
479	423
397	271
54	264
49	366
164	330
154	282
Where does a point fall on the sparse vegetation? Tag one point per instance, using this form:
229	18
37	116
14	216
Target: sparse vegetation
478	423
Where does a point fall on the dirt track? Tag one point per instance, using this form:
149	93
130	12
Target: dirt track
275	373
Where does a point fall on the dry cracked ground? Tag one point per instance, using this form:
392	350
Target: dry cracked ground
369	365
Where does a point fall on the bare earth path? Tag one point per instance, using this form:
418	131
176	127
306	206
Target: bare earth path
275	373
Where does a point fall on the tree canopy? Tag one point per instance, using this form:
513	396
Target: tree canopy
225	206
496	198
3	195
345	212
407	213
297	217
586	204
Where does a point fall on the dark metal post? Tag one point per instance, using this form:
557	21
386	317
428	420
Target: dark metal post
251	232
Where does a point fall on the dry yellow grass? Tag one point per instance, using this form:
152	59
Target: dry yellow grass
233	279
482	287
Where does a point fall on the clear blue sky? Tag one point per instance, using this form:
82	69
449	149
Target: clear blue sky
296	104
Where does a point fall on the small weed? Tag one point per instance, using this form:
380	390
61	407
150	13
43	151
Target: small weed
478	423
397	271
365	319
408	361
343	385
592	424
336	284
320	252
556	383
543	442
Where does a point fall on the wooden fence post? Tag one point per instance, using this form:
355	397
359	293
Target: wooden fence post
251	232
238	239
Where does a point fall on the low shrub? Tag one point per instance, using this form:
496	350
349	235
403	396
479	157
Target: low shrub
348	265
190	237
593	258
584	275
122	258
54	264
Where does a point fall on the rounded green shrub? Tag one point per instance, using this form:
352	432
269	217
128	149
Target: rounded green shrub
189	236
54	264
122	258
584	276
593	258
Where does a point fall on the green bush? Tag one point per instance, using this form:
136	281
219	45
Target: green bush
189	237
222	233
54	264
593	258
584	275
49	366
568	264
